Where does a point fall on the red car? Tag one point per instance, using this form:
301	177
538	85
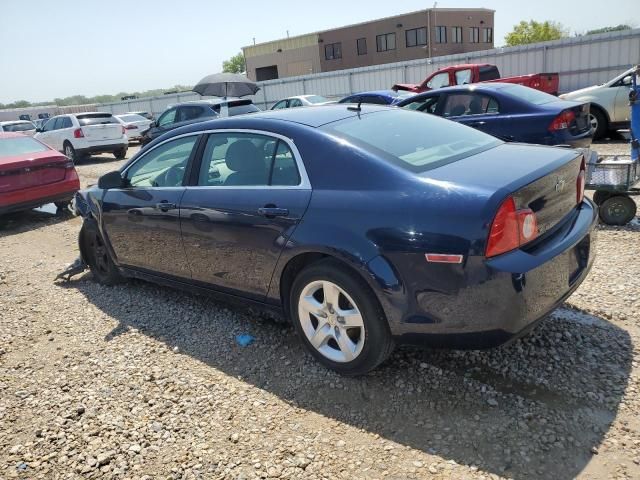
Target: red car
32	174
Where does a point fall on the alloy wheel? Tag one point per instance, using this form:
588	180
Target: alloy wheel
69	152
594	122
331	321
100	256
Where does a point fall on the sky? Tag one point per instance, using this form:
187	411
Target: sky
61	48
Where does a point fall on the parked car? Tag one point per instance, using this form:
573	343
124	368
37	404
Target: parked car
33	174
609	103
79	135
378	97
474	73
361	229
147	115
23	126
301	101
134	125
192	112
510	112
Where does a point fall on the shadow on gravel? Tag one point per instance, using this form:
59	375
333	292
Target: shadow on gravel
99	160
20	222
534	409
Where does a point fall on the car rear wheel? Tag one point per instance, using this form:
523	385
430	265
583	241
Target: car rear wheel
120	154
618	210
70	152
339	319
97	256
599	123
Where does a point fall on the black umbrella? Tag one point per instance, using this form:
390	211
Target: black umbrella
226	85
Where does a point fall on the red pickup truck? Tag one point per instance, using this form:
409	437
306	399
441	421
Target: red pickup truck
480	72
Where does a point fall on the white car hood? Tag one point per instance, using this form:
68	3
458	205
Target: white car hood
581	92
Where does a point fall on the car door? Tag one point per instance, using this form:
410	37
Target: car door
478	110
142	220
621	110
424	103
48	133
247	196
64	131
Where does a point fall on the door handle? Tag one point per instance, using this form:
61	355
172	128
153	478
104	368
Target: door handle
273	211
477	124
165	206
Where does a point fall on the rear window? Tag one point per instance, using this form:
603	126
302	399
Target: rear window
131	118
10	147
529	94
95	119
412	140
18	127
317	99
242	109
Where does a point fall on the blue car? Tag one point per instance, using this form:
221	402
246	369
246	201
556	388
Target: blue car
378	97
358	227
510	112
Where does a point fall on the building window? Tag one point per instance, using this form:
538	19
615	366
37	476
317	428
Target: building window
487	35
456	34
333	51
386	42
474	34
416	36
441	34
361	45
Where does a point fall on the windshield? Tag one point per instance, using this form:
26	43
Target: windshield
18	127
529	94
10	147
412	140
95	119
317	99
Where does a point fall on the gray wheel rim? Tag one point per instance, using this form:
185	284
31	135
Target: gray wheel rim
68	151
594	122
331	321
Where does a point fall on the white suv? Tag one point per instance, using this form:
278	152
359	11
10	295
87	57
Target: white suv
82	134
609	103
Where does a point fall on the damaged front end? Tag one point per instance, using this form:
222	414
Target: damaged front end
79	207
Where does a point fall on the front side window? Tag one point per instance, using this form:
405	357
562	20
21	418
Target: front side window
386	42
280	105
397	136
441	34
426	105
416	36
474	34
333	51
164	166
167	117
438	81
361	45
247	159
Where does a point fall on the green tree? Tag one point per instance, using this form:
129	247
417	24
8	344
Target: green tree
533	32
234	65
609	29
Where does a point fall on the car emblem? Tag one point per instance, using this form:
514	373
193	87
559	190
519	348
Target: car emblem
560	183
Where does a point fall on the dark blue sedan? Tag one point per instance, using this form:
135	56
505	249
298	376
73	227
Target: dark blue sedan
366	227
378	97
510	112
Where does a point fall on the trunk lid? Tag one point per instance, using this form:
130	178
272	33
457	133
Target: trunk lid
540	178
42	168
99	127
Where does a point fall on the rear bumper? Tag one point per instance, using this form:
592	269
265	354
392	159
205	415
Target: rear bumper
574	141
107	148
40	195
485	303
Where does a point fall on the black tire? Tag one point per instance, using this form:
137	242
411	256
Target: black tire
70	152
61	206
96	254
601	123
599	196
378	343
617	210
120	154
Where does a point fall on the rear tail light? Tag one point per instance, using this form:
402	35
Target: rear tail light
78	133
580	182
123	131
562	121
511	228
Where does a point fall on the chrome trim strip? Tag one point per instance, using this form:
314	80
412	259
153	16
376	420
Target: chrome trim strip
304	184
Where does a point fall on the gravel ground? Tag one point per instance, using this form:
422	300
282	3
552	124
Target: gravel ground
143	382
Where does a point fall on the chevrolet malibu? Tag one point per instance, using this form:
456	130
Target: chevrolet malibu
360	228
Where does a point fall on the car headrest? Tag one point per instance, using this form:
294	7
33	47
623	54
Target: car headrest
243	156
475	106
457	111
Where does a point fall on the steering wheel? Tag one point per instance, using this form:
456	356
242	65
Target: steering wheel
172	177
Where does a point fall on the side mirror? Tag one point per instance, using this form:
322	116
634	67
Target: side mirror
626	80
111	180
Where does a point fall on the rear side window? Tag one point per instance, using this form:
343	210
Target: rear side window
488	72
86	119
10	147
398	136
462	104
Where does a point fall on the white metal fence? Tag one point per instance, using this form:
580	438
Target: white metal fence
581	61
